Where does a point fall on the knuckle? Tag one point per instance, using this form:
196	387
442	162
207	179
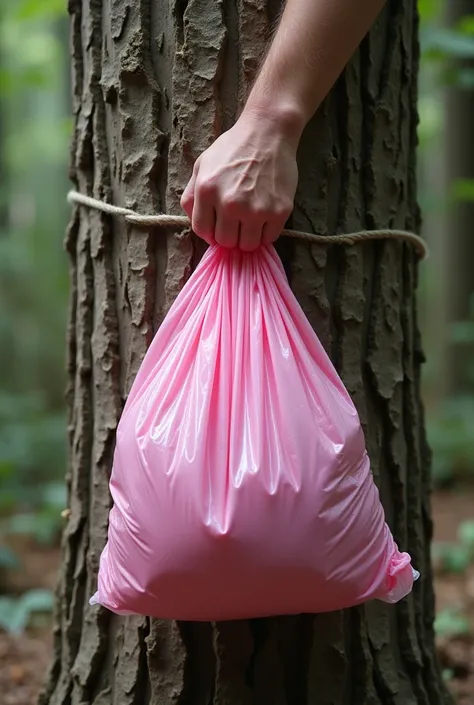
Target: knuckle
261	213
283	209
206	188
233	203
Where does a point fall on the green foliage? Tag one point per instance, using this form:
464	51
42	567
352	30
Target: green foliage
442	43
456	557
31	437
453	50
43	520
449	429
429	9
430	113
466	536
8	558
34	133
16	613
462	334
462	190
32	448
451	622
31	52
466	25
452	440
39	9
452	558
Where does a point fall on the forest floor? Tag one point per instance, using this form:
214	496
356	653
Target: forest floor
24	659
455	596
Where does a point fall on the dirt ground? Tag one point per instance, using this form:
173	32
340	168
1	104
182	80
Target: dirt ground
24	659
455	592
23	663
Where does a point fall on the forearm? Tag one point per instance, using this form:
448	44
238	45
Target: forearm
314	41
242	189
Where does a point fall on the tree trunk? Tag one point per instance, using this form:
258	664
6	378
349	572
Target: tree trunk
155	82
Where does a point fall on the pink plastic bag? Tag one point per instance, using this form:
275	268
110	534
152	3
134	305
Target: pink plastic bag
241	482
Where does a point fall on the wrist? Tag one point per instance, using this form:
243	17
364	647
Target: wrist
284	119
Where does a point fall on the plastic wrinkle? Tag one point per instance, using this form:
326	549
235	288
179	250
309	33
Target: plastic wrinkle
241	484
400	578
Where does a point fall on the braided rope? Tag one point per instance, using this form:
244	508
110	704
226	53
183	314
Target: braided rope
181	221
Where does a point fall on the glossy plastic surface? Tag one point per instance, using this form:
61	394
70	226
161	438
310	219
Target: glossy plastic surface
241	482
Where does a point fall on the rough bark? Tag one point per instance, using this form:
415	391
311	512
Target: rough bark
154	83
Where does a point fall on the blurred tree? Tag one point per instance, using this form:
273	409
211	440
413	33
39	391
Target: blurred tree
33	276
154	82
432	196
447	193
3	174
459	150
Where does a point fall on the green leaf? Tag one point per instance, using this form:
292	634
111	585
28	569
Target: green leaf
43	525
442	42
466	535
54	495
456	559
462	332
6	469
451	623
16	613
38	600
464	78
31	602
431	117
429	9
8	559
463	190
11	82
40	9
466	25
7	613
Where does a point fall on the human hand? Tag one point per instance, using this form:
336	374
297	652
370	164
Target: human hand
243	187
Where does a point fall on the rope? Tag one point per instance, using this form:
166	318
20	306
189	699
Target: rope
182	221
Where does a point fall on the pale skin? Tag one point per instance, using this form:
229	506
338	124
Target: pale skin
242	188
